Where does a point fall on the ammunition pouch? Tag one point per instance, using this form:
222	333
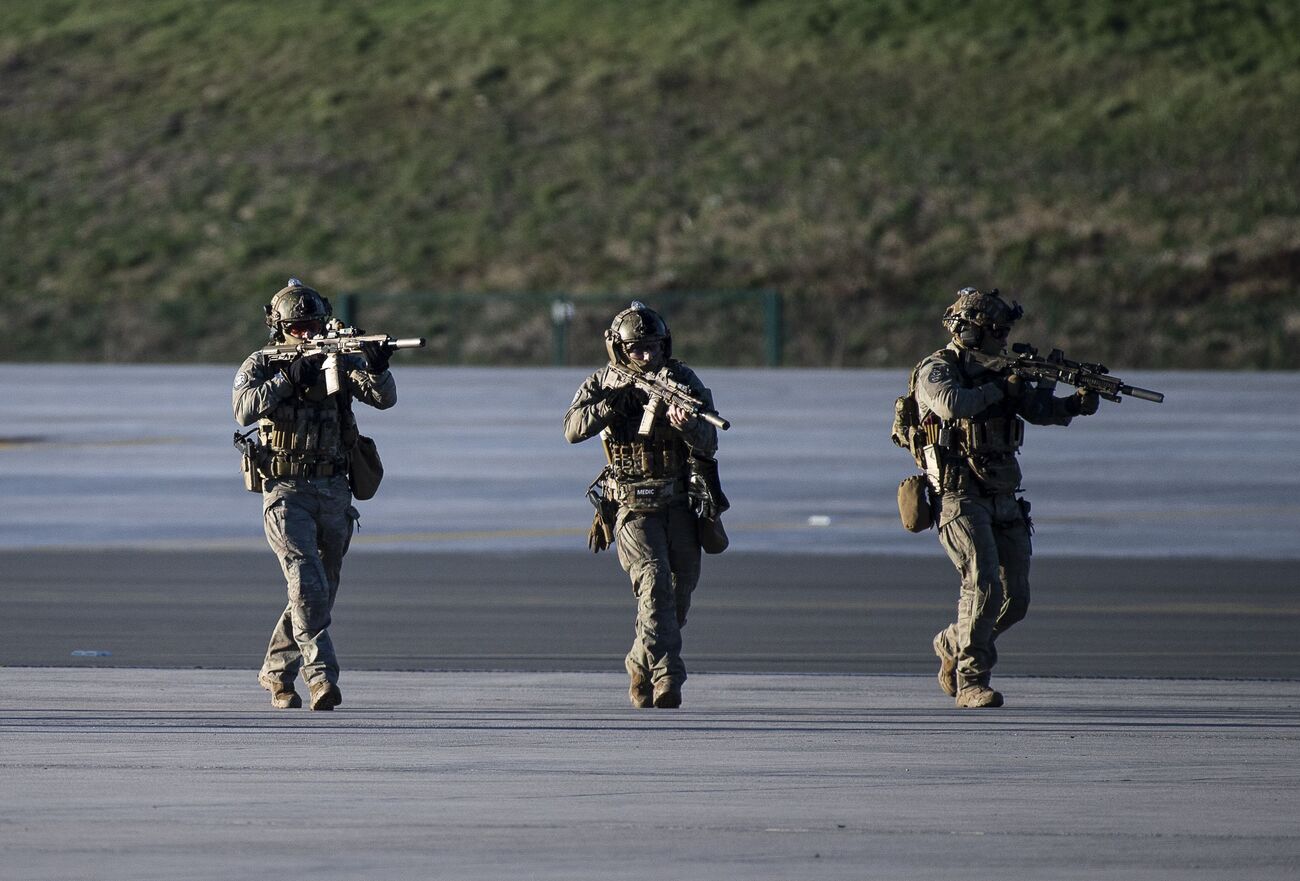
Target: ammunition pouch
915	507
645	461
992	436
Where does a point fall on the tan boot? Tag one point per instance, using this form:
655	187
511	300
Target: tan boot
668	695
283	697
639	691
325	696
978	696
947	669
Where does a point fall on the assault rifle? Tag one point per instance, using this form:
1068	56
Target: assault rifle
1056	367
663	389
338	340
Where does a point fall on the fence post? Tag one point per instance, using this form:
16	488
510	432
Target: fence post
774	327
348	312
561	316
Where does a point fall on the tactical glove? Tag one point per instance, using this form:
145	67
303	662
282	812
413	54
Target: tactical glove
377	356
1015	387
1084	402
625	401
304	371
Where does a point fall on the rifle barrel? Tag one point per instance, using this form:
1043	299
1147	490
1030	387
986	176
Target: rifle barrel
1144	394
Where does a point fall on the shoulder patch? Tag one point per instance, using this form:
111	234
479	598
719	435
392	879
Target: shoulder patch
938	373
242	380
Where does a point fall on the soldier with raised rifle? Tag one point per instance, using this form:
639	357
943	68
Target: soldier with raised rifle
301	466
658	498
963	420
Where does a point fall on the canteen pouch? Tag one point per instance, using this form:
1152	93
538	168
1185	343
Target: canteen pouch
365	470
914	507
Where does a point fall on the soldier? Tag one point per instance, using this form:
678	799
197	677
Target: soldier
973	418
306	499
655	527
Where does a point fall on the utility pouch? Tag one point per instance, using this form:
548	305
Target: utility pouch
645	495
365	470
914	507
708	501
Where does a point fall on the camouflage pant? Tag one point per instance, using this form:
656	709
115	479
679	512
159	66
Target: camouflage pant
661	553
987	539
309	526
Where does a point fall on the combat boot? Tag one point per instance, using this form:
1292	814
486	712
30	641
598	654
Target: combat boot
325	695
978	696
668	695
639	691
947	668
283	697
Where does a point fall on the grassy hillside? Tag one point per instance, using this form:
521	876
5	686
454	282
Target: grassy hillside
1128	170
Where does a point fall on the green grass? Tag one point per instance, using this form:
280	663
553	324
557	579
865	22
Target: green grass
1128	170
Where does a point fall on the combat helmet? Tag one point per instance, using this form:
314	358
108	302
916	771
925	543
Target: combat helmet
980	320
295	302
636	324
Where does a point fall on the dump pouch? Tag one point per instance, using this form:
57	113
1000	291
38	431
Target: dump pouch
914	507
365	470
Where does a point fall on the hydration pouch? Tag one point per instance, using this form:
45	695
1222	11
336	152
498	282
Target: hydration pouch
914	507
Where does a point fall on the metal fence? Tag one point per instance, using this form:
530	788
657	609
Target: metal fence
723	328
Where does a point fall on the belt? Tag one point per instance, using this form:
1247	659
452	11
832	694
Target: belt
287	468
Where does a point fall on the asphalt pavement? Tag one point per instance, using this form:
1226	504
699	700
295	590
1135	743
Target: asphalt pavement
1152	726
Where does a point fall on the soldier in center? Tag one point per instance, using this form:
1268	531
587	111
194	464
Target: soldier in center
646	485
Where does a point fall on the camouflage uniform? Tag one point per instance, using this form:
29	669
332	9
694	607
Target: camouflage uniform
974	418
306	502
659	548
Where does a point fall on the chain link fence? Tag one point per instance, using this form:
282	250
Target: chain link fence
719	328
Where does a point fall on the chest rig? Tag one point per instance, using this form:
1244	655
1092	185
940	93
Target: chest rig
309	435
971	454
645	473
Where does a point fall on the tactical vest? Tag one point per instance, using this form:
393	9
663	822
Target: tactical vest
981	448
309	436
